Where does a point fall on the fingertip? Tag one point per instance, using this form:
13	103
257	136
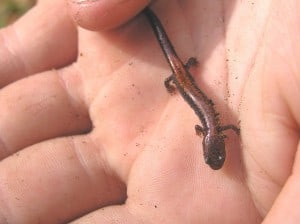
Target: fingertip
104	14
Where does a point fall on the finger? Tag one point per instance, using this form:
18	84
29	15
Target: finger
57	181
113	214
285	208
44	38
99	15
39	108
270	109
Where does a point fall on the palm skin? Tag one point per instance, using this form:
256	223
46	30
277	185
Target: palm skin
101	140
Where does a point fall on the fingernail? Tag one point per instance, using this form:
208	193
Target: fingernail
83	1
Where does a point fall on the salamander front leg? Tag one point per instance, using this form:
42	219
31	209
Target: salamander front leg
199	130
169	84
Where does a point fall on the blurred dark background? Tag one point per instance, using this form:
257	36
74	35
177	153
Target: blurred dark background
10	10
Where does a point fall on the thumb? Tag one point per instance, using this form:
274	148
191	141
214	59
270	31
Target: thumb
104	14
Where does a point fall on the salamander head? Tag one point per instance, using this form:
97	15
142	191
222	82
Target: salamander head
214	151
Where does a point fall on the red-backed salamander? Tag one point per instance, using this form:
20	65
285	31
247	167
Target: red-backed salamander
213	137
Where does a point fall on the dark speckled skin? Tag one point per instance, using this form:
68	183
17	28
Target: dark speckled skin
213	141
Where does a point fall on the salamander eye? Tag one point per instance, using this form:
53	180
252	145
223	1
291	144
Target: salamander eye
214	151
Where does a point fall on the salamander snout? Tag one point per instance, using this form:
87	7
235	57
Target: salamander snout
214	151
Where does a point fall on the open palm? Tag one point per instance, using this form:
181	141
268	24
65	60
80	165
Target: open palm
100	140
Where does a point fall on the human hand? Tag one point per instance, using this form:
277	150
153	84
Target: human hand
142	162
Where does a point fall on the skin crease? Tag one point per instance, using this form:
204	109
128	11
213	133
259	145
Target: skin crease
18	57
142	161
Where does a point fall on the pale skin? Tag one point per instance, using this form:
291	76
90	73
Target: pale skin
98	139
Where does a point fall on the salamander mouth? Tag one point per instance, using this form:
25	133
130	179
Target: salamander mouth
215	163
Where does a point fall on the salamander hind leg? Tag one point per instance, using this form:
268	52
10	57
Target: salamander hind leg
230	126
170	85
191	62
